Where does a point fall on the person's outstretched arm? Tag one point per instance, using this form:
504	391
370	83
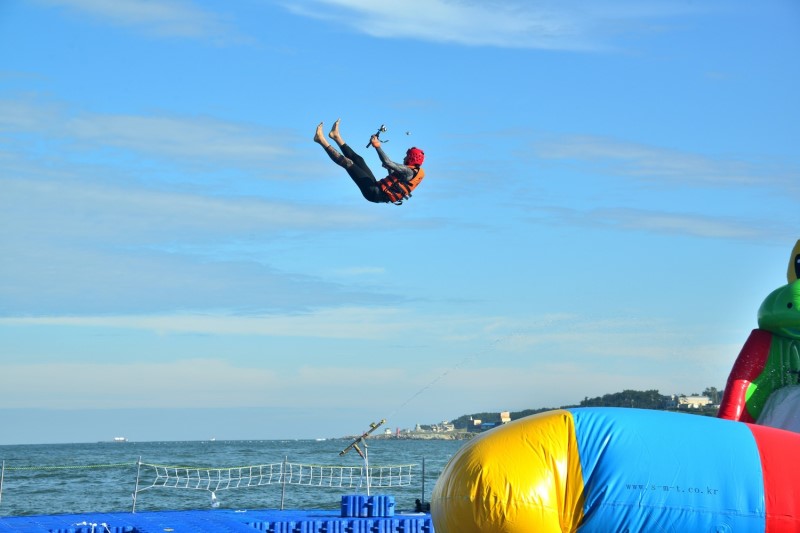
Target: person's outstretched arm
401	171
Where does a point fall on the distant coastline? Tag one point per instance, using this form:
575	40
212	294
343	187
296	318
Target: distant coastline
458	434
705	404
429	435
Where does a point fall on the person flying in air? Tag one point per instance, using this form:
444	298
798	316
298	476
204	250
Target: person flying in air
395	187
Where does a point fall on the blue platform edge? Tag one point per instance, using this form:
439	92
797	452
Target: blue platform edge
218	520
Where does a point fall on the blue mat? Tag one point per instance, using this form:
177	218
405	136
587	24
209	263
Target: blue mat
217	520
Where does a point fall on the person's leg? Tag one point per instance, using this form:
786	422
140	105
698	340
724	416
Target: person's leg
334	133
347	151
353	163
335	156
357	160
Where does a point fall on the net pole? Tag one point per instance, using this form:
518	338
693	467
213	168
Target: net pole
2	476
423	480
283	480
136	488
366	464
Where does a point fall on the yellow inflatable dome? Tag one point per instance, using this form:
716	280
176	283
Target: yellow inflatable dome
515	478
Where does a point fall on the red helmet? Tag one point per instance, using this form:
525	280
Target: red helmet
414	157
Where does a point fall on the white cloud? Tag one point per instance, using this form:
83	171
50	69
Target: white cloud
674	223
102	248
681	223
517	24
47	210
477	386
183	137
182	383
512	363
505	338
187	138
653	164
361	271
678	172
695	225
163	18
338	323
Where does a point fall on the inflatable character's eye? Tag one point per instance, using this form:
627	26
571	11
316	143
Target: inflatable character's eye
794	264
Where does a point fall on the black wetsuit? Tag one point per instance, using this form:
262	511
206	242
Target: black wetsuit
363	177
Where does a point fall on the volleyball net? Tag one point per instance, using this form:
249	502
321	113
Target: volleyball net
154	476
284	473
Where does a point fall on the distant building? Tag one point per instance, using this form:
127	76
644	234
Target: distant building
443	427
505	417
693	402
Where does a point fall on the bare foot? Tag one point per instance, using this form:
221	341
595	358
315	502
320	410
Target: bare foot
334	134
319	137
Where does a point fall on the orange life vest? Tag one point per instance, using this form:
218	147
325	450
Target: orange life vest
397	189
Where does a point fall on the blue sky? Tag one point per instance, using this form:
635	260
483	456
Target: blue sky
611	192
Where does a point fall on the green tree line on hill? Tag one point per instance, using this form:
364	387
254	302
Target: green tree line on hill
648	399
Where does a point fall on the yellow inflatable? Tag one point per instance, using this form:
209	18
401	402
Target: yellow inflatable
518	477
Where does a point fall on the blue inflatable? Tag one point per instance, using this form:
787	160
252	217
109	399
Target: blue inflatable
621	470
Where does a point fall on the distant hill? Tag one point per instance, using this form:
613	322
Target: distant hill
649	399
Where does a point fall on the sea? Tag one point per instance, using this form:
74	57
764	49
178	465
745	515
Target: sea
158	476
